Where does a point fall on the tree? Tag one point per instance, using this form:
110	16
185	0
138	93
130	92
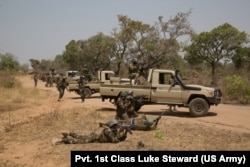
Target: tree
24	68
97	52
153	45
242	58
237	89
35	64
123	41
72	55
212	47
8	62
46	65
59	64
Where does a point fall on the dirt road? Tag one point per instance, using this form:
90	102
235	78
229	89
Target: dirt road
227	127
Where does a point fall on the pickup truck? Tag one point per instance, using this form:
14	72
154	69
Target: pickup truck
159	89
91	87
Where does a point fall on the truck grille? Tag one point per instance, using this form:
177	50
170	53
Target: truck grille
217	93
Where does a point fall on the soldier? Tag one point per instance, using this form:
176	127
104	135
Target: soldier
144	123
35	79
50	79
81	84
61	86
49	82
133	70
47	79
125	104
141	123
172	106
121	107
111	133
130	104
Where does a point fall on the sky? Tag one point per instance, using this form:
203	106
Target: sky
40	29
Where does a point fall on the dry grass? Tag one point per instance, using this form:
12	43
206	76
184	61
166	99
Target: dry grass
36	133
16	98
13	99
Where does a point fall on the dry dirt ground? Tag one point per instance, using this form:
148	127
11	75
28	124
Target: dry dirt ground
27	142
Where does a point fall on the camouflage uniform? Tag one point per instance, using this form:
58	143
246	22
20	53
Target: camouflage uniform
125	105
49	80
143	123
74	138
121	107
130	104
35	79
110	134
81	84
61	86
133	70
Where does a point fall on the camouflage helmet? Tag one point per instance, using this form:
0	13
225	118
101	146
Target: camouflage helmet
148	122
134	61
112	122
123	93
130	92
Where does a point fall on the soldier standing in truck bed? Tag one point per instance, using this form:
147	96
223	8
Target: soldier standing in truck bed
133	70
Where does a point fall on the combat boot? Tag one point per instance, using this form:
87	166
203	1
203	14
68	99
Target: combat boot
65	134
56	141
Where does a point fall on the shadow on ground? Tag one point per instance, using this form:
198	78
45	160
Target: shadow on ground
174	113
106	109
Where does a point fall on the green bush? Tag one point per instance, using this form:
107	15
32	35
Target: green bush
237	89
159	135
7	80
9	84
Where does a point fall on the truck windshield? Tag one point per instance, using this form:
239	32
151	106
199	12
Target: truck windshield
73	73
77	73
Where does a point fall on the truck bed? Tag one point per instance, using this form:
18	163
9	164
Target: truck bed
111	91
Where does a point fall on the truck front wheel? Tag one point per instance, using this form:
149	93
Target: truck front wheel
87	92
198	107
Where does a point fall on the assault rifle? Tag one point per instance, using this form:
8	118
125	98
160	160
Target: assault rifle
127	127
158	118
123	126
138	102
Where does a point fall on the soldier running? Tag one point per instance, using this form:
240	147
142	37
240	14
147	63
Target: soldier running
81	84
61	86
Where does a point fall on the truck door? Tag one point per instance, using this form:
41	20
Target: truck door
163	91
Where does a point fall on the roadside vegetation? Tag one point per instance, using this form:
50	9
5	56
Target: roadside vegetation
218	58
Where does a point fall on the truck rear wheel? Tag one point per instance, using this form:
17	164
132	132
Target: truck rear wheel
198	107
87	92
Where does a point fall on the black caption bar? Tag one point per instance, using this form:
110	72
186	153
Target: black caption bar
175	158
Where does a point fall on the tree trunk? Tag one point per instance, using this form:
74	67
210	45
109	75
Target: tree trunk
213	82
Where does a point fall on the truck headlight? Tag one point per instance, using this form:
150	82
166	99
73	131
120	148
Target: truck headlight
210	92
